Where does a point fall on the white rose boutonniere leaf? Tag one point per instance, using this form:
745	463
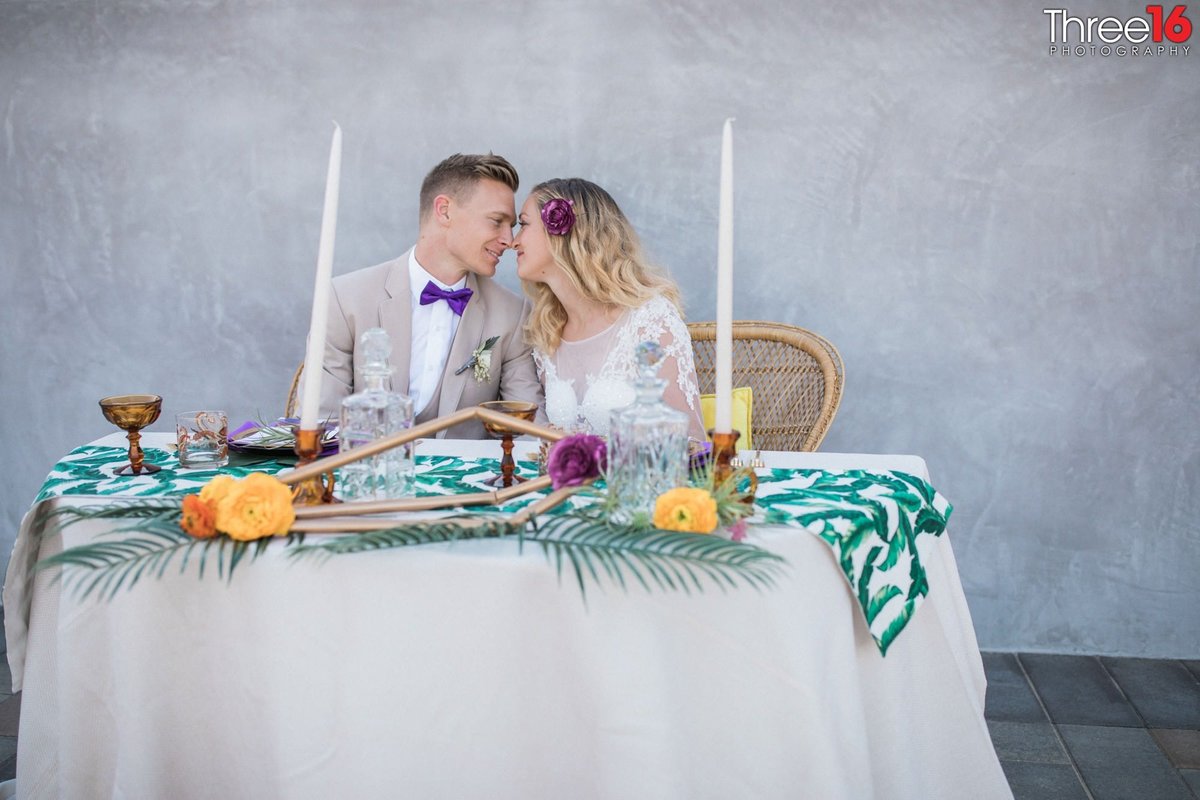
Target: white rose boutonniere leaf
480	361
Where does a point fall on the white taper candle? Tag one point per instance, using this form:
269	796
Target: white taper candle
314	357
724	379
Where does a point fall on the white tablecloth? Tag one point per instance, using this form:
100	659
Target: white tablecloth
467	670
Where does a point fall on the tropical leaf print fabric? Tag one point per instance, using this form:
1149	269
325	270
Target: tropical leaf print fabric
874	522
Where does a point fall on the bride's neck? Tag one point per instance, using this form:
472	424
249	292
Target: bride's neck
586	318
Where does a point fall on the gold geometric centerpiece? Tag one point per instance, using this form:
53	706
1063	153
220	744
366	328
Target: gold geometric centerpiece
316	518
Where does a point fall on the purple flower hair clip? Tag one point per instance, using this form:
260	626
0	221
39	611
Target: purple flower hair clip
558	217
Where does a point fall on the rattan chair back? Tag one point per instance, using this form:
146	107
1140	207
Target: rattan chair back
796	377
291	408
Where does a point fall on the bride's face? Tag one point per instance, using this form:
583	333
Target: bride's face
534	262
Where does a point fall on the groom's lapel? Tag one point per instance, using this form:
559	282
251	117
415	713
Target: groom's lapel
395	317
466	339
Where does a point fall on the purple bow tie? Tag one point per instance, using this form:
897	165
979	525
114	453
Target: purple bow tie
456	299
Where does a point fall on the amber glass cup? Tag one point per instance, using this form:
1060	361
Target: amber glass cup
513	408
131	413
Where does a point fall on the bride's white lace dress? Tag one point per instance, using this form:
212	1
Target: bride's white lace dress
586	380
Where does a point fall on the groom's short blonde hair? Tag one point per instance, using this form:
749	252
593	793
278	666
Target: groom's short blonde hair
458	175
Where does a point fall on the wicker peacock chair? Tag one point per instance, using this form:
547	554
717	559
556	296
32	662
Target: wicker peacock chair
796	377
291	409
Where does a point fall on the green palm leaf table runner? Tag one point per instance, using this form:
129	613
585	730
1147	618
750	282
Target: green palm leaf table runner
874	522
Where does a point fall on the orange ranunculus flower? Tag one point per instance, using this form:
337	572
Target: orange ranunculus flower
258	505
199	518
686	509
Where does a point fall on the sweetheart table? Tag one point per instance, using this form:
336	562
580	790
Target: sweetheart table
468	669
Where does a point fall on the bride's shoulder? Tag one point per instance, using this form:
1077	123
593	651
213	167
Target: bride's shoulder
657	316
655	309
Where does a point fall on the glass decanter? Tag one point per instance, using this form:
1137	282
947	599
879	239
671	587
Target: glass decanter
647	443
371	414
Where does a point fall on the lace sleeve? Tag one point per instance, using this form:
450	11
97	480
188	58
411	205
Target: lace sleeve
540	361
658	320
543	365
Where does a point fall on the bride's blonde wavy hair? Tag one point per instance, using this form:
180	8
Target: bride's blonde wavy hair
601	257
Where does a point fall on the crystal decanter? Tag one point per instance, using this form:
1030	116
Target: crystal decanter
371	414
647	443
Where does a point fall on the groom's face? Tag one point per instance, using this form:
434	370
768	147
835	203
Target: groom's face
479	226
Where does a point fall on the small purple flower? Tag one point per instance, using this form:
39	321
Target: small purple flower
737	531
576	459
558	217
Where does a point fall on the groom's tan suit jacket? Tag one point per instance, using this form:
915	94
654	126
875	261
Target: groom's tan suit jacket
380	296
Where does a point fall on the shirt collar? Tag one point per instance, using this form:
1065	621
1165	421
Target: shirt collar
418	276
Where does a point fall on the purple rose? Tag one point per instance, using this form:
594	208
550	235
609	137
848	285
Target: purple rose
558	217
576	459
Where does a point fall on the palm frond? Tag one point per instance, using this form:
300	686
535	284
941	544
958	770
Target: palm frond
140	508
448	529
148	543
594	549
107	566
655	558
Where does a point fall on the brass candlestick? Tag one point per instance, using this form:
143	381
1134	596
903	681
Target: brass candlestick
316	489
725	463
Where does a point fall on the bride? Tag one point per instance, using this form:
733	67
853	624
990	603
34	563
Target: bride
594	300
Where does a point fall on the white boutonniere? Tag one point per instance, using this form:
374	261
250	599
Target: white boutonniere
480	361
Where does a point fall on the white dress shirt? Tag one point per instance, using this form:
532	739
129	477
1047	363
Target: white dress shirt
433	328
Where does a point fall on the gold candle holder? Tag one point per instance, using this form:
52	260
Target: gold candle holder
726	465
724	452
316	489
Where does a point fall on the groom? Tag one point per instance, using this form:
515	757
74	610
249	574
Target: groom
439	305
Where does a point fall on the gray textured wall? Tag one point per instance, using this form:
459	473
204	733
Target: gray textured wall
1001	243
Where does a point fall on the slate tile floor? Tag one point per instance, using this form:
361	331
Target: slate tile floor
1095	727
1064	727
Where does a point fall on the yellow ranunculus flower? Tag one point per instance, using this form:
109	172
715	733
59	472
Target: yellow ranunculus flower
686	509
214	490
254	507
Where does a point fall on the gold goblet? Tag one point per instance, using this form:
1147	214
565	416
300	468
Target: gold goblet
514	408
131	413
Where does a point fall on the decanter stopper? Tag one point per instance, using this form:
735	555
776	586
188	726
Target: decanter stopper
375	347
648	355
